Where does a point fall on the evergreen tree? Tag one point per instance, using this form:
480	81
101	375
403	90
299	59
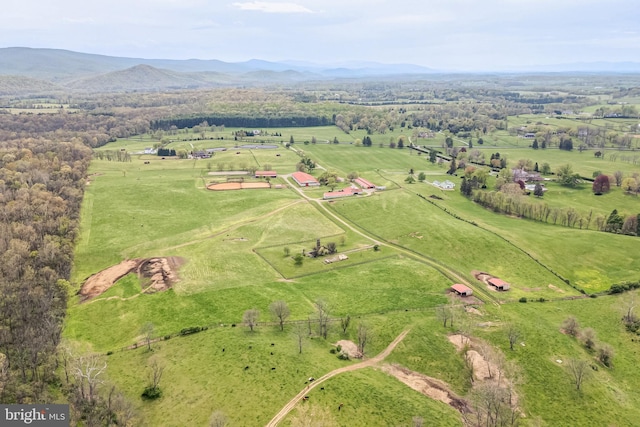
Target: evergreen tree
433	156
452	167
538	191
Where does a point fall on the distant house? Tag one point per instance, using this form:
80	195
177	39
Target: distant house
364	183
524	176
304	179
201	154
445	185
149	151
499	284
462	290
266	174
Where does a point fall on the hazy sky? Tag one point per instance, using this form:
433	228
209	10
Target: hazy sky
444	34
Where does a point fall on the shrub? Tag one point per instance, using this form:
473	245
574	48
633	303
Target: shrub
191	330
151	393
523	299
605	355
571	326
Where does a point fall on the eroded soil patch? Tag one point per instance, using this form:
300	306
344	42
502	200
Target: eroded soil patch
430	387
161	273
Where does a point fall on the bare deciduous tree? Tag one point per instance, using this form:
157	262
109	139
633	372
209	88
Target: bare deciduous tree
363	337
322	311
571	326
147	331
605	355
588	337
250	318
156	374
299	332
344	323
88	371
280	311
579	370
513	333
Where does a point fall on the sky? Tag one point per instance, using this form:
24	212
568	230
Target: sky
465	35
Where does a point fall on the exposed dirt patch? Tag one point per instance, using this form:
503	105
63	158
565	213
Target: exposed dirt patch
557	289
473	310
430	387
161	272
485	370
350	348
224	186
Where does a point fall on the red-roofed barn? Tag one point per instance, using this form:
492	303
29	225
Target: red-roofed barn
499	284
364	183
462	290
304	179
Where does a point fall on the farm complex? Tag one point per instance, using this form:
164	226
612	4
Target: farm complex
456	251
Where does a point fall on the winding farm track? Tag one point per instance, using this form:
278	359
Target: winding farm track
442	268
365	364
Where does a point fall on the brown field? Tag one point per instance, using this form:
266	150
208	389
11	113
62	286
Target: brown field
237	185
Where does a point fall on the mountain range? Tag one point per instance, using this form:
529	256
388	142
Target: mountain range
33	70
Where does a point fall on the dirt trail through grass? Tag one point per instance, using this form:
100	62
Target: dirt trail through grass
366	364
444	269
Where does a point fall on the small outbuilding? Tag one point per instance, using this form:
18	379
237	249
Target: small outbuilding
266	174
364	183
462	290
499	284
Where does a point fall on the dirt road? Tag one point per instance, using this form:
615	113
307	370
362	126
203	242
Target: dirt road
365	364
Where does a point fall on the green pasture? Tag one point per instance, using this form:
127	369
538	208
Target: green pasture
591	260
127	206
234	244
406	220
386	285
368	397
609	396
584	163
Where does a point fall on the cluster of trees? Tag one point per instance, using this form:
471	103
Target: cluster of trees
305	165
166	152
242	120
43	170
319	323
587	336
41	189
113	155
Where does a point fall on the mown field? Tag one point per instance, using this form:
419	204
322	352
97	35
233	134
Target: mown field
239	247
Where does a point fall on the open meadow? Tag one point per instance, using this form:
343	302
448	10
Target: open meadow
405	246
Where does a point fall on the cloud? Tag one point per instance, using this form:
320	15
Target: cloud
272	7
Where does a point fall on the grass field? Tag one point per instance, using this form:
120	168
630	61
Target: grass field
239	248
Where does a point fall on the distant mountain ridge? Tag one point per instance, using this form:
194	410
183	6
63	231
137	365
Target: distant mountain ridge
26	70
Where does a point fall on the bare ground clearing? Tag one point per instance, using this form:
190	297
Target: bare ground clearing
162	273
